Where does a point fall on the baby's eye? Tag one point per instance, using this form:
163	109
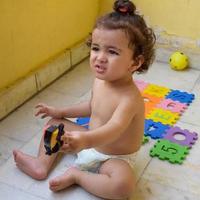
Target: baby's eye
94	48
113	52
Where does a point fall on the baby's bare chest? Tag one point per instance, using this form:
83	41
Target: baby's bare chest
104	103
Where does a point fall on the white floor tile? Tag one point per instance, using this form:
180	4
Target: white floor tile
6	147
143	158
192	114
150	190
21	124
161	74
12	193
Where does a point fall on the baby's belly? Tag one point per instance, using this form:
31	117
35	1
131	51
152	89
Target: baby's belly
119	148
128	143
95	123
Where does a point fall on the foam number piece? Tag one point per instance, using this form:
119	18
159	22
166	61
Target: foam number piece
163	116
166	150
155	130
189	137
156	90
173	106
141	85
182	97
83	121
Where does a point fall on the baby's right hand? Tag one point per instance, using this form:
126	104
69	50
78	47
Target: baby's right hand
47	111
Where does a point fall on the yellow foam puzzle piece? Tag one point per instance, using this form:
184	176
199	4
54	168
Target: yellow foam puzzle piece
156	90
164	116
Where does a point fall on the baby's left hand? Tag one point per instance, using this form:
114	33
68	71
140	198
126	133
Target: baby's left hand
73	142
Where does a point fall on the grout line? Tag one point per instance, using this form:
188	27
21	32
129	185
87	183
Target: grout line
196	82
144	170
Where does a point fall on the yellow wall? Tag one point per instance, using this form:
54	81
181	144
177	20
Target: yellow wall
32	31
176	17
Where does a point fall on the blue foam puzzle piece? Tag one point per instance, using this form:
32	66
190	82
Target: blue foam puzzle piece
86	126
155	130
182	97
82	120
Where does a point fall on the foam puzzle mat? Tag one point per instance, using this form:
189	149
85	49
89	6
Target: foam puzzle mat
163	108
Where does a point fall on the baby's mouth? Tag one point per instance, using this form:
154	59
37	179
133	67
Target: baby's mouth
99	68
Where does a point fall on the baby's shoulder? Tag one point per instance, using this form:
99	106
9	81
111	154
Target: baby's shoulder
134	98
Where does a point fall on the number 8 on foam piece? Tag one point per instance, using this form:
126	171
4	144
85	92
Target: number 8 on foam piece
166	150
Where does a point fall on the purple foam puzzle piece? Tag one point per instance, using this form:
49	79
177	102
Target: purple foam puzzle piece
190	137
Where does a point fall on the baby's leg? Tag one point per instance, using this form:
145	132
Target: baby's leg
38	167
116	180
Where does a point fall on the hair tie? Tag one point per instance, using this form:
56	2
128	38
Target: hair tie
123	9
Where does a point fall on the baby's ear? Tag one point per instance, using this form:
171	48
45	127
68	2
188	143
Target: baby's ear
137	63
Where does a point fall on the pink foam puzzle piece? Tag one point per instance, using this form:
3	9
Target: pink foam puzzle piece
141	84
173	106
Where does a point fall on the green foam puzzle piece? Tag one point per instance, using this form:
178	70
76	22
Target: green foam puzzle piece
145	140
166	150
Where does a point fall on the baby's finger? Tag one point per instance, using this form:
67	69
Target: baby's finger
39	105
66	148
38	112
65	136
44	116
70	138
64	139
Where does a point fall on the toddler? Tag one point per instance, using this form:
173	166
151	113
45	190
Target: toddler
121	44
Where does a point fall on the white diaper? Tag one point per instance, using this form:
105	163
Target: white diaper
91	160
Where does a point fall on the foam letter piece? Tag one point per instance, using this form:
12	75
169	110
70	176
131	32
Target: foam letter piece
182	97
190	137
150	102
156	90
166	150
173	106
163	116
83	121
155	129
141	85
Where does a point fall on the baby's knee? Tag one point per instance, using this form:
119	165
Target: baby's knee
40	174
52	121
124	188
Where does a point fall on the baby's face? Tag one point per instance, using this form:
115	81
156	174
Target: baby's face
111	58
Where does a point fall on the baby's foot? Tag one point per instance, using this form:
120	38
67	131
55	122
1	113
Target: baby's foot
63	181
29	165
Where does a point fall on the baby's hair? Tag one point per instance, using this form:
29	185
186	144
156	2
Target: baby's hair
141	37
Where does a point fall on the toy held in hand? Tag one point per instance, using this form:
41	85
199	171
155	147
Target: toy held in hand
52	138
178	61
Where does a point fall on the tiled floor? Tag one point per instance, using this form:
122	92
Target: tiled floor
157	180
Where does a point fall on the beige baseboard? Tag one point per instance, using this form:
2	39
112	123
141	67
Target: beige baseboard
163	54
22	90
166	44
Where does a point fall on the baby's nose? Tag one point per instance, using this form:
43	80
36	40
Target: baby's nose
102	57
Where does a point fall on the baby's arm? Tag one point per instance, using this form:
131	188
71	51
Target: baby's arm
75	141
116	126
78	110
82	109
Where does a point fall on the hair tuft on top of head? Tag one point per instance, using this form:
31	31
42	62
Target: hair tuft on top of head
124	7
